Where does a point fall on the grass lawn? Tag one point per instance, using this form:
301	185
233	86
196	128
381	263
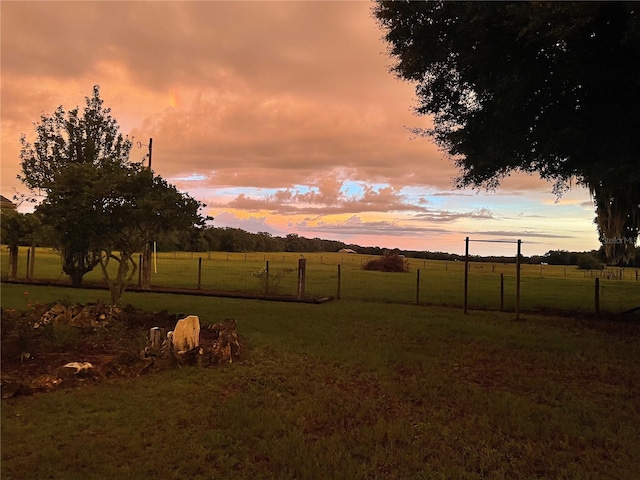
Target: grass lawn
544	288
348	390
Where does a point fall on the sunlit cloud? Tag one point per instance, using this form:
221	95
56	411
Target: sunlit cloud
280	116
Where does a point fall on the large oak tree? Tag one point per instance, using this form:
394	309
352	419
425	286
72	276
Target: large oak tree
551	88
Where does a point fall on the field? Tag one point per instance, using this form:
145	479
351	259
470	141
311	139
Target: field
352	390
544	288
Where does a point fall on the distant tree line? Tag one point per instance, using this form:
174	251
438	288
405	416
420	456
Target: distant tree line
227	239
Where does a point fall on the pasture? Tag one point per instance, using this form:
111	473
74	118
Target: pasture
544	288
349	390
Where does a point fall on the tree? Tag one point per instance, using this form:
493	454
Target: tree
69	154
540	87
17	229
101	206
139	207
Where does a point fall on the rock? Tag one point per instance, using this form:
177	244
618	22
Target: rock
83	318
56	314
77	369
186	335
225	345
90	316
14	388
190	357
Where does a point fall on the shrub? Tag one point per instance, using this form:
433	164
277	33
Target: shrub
388	263
270	281
589	262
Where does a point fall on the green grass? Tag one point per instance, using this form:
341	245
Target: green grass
348	390
543	287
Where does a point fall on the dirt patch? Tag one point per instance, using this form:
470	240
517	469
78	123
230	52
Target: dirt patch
33	354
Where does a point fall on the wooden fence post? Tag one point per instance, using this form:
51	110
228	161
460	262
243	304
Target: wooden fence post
466	275
32	265
502	292
28	264
199	273
597	296
518	280
418	288
339	282
13	261
266	288
302	276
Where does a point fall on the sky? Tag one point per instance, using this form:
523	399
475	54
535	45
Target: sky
282	117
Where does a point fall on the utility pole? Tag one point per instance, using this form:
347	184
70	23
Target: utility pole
146	254
150	150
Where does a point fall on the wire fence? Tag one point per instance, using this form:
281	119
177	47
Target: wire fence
544	288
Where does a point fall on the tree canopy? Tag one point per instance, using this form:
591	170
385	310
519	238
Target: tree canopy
99	205
68	158
540	87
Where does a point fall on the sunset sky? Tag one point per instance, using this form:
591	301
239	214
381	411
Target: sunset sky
280	116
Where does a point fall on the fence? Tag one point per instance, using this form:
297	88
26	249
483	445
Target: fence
544	288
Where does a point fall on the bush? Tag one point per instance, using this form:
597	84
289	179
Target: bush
388	263
589	262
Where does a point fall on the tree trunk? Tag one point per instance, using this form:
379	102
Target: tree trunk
76	278
124	275
146	266
13	261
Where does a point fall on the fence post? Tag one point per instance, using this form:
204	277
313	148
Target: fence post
28	264
302	276
13	261
502	292
466	274
597	296
518	280
418	288
139	270
32	265
267	273
199	272
339	282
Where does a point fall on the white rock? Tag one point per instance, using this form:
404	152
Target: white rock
186	335
79	366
